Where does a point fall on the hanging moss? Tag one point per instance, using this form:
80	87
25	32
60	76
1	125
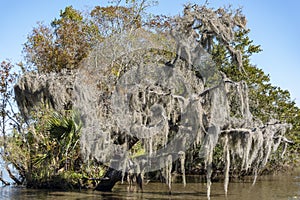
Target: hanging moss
143	108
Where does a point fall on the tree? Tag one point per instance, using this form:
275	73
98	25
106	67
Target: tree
61	46
69	39
267	101
198	26
10	120
120	95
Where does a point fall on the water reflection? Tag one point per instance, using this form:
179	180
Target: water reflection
285	187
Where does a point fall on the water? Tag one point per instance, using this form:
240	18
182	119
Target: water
284	187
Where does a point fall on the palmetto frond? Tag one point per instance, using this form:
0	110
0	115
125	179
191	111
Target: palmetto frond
65	129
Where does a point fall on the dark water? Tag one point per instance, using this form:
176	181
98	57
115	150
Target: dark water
267	188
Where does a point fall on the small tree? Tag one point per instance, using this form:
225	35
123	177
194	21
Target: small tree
62	45
69	39
10	120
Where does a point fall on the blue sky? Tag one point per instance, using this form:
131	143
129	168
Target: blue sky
274	25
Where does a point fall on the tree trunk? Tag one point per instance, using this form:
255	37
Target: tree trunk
13	177
112	176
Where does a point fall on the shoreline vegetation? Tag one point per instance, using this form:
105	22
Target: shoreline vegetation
78	184
245	126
